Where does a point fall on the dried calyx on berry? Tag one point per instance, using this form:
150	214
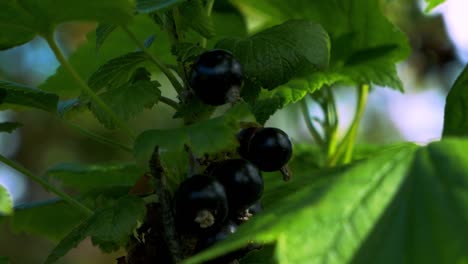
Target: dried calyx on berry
269	148
216	77
242	182
200	204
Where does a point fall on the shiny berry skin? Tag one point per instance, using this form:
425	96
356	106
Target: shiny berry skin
216	77
242	182
200	204
269	148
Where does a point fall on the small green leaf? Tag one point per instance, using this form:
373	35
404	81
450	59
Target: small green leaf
9	126
148	6
52	219
187	52
431	4
221	131
116	71
268	102
272	57
88	177
128	100
193	15
86	61
21	95
110	225
6	205
102	32
22	20
456	108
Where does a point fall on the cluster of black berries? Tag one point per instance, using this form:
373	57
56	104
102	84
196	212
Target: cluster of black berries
211	205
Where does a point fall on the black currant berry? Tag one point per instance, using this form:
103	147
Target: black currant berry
269	148
200	204
216	77
216	237
242	182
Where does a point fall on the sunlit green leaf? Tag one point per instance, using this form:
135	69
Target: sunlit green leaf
428	214
6	205
431	4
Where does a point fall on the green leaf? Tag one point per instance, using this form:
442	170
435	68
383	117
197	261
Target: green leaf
272	57
86	61
431	4
21	95
20	21
113	224
127	101
321	218
102	32
4	260
88	177
268	102
193	15
456	107
116	71
357	29
365	46
221	131
52	219
427	221
149	6
9	126
187	52
394	207
6	205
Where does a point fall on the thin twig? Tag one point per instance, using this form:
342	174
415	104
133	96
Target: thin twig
175	83
169	102
310	126
169	232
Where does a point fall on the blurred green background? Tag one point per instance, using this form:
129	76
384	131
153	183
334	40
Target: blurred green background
439	43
